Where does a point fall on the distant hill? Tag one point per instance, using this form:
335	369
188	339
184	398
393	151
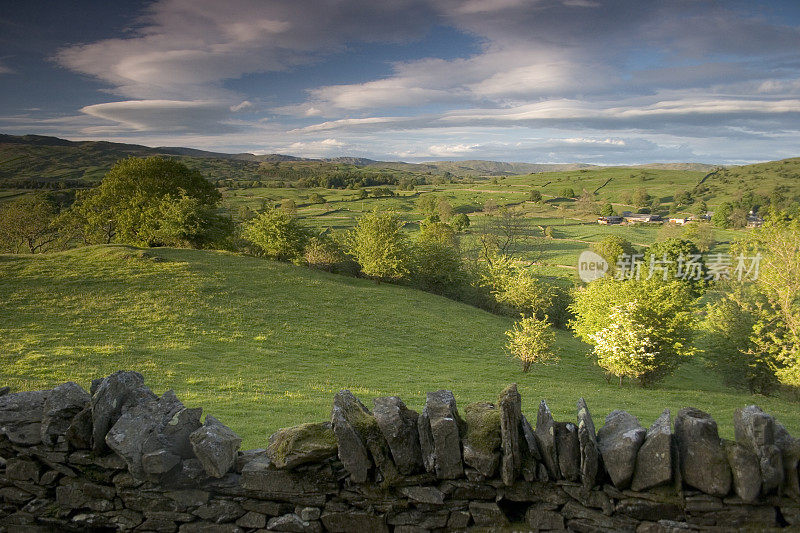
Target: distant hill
700	167
498	168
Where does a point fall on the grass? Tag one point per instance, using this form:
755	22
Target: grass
264	345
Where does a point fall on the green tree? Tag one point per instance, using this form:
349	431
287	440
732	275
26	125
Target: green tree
531	341
568	192
610	248
701	234
29	224
380	247
535	196
444	210
639	329
276	234
607	210
316	198
436	258
586	204
427	203
323	253
701	208
721	216
131	201
460	222
640	197
676	259
289	206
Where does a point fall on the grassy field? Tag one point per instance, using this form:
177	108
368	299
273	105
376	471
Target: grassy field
264	345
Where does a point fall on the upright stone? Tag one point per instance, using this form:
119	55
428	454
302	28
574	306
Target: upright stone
704	463
113	396
587	440
21	416
482	440
546	439
216	446
568	450
441	416
619	441
510	404
398	424
79	432
531	456
654	461
60	407
790	451
352	449
745	471
755	430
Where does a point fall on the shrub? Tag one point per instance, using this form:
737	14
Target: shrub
568	192
379	246
610	248
436	258
535	196
323	253
460	222
277	235
316	198
531	341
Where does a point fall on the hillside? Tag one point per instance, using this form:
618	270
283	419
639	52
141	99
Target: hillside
264	345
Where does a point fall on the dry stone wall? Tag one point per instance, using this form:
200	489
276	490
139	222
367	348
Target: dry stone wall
120	458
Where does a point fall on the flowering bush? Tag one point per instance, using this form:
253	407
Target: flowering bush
531	341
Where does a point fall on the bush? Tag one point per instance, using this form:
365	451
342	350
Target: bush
436	259
379	246
531	341
277	235
641	329
568	192
535	196
611	248
323	253
460	222
316	198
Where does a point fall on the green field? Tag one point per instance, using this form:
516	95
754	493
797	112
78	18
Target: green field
264	345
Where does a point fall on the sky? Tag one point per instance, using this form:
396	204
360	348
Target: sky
541	81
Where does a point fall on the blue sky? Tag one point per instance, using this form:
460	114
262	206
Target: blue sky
595	81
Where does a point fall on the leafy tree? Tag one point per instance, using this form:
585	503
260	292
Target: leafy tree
131	202
380	247
701	234
721	216
427	204
640	329
675	259
607	210
701	208
288	205
460	222
640	197
586	204
682	198
29	224
316	198
531	341
610	248
444	210
535	196
568	192
323	253
276	234
435	258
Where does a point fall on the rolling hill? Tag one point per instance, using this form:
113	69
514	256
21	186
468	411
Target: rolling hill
264	345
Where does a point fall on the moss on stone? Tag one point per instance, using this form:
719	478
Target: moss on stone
483	426
306	443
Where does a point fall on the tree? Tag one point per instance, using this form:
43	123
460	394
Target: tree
701	234
277	235
682	198
721	216
640	329
535	196
586	204
701	208
607	210
323	253
460	222
531	341
380	247
131	202
444	210
676	259
427	204
435	258
288	205
316	198
28	224
610	248
640	197
501	234
568	192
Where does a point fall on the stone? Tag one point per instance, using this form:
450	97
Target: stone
354	522
252	520
642	509
430	495
756	429
546	439
308	514
398	424
587	442
60	407
531	456
22	470
159	462
458	520
285	485
21	416
654	461
619	441
440	421
216	446
112	396
4	390
220	511
199	527
487	514
306	443
568	450
79	432
349	418
510	405
790	452
157	425
482	438
539	517
745	471
703	461
288	522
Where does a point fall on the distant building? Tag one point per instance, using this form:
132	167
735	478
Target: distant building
642	218
613	219
680	221
754	221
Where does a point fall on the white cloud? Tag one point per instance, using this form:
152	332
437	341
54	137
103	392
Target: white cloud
240	106
162	115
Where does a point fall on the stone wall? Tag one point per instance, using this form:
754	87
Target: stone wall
121	458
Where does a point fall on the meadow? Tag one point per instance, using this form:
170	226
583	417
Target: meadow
264	345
